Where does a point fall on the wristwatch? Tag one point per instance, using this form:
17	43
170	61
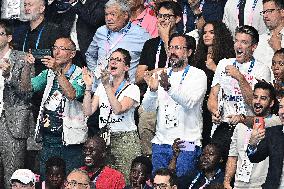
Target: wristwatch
199	15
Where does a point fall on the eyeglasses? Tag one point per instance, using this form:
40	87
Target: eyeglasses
62	48
116	60
176	47
19	186
74	183
165	16
2	33
268	11
160	186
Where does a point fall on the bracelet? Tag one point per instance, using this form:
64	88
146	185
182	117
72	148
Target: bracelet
89	90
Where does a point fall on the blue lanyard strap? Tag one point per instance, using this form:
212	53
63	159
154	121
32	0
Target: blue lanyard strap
120	87
70	71
183	74
250	67
37	41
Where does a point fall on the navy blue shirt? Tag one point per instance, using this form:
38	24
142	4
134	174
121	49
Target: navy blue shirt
212	10
185	181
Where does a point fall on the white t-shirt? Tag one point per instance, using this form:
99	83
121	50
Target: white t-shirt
252	16
179	111
230	96
238	147
124	121
264	53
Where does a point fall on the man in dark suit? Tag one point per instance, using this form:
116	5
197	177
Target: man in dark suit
15	114
79	19
272	145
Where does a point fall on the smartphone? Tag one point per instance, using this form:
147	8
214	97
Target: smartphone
188	146
40	53
258	123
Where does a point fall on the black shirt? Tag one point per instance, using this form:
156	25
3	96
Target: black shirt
148	57
28	40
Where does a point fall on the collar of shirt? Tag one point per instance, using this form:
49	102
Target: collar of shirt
7	54
121	30
36	30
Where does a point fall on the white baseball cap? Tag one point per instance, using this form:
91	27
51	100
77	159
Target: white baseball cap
25	176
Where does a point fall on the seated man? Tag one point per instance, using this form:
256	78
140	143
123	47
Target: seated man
140	172
23	178
77	179
55	174
164	178
94	151
209	170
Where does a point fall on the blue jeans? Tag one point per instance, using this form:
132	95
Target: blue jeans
186	162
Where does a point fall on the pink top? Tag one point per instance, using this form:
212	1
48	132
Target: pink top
148	21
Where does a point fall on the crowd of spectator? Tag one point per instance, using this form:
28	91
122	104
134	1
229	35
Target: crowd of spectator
142	94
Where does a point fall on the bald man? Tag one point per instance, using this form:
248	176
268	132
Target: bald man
78	179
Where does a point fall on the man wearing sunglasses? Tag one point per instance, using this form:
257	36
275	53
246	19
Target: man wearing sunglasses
61	124
273	39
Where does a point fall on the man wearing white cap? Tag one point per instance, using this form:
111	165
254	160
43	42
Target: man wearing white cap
23	178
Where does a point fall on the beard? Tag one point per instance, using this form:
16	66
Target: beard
175	61
31	17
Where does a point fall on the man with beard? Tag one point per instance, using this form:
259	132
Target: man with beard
273	39
247	174
231	90
94	151
270	143
177	97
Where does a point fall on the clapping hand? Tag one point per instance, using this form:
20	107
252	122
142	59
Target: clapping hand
5	67
87	77
105	77
164	82
152	82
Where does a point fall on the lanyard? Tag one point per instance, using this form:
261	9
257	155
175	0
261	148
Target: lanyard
37	41
71	70
184	18
158	54
208	181
120	87
251	13
250	67
108	46
183	74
